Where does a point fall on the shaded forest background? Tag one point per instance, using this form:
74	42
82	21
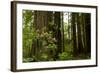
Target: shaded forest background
53	36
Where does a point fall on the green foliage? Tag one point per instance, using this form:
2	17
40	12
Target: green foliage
27	31
44	57
65	56
52	46
27	16
28	59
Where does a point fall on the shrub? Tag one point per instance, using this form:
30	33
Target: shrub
65	56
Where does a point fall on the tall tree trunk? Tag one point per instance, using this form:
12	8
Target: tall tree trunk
84	32
40	21
57	22
62	31
74	34
88	31
80	45
68	27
